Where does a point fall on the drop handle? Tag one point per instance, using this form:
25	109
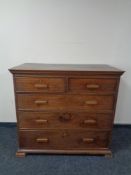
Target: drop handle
40	102
91	102
89	121
41	121
92	86
42	140
41	86
88	140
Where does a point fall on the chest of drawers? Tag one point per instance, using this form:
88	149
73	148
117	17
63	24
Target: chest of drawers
67	109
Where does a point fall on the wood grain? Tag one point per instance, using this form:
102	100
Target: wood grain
92	85
66	109
64	102
63	139
41	84
29	120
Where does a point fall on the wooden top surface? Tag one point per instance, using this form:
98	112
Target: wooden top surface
65	67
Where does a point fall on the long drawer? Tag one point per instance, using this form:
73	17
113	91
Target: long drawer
44	120
64	102
63	139
40	84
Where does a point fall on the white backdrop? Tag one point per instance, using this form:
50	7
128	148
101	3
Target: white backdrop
65	31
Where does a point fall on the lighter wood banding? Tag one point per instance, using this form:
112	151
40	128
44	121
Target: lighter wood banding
92	86
41	86
39	102
91	102
42	140
41	121
89	121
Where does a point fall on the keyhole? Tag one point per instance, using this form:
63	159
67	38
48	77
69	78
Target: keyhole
65	134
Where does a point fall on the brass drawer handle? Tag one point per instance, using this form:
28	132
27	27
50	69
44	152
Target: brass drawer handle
41	86
89	121
91	102
42	140
92	86
40	102
41	121
88	140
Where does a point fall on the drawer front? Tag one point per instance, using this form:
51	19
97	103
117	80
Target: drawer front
42	120
92	85
64	102
63	139
40	84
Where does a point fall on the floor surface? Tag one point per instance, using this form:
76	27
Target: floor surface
120	164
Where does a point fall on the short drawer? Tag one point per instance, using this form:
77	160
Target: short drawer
42	120
63	139
40	84
92	85
64	102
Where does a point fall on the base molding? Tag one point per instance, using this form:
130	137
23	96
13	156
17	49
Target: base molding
106	152
13	124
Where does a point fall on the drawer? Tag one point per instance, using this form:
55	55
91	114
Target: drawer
39	84
42	120
64	102
63	139
92	85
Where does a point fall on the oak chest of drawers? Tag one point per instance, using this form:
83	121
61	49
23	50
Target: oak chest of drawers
65	109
